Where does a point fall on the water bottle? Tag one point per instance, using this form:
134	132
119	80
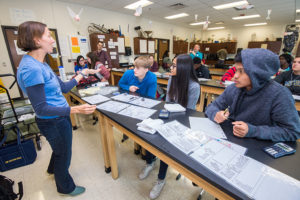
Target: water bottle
62	73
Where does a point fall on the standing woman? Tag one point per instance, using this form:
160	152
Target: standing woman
44	89
183	88
95	63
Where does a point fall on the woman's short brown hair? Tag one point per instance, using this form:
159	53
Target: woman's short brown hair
94	58
27	32
142	61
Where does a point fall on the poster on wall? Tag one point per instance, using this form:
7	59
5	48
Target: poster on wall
79	46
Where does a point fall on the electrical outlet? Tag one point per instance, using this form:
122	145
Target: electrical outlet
4	64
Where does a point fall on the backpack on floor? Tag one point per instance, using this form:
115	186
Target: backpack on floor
6	189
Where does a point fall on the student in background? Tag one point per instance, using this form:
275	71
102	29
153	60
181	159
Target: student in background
140	79
166	61
95	63
44	89
154	65
286	62
229	74
291	78
80	64
196	52
183	88
261	108
103	55
201	70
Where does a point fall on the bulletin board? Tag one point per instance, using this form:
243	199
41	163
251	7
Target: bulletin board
79	45
114	45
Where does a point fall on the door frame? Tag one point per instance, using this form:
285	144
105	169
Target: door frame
159	39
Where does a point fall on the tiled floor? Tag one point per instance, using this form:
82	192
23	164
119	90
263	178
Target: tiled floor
87	169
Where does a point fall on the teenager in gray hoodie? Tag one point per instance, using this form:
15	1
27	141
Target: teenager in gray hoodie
260	107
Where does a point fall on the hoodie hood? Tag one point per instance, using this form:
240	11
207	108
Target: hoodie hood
259	65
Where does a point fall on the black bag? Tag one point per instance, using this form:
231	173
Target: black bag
6	189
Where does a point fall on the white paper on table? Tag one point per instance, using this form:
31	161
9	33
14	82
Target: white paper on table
137	112
125	97
235	147
179	136
96	99
143	46
203	79
206	125
174	107
296	97
145	102
113	106
151	48
253	178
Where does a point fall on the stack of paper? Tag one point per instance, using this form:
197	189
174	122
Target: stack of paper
174	108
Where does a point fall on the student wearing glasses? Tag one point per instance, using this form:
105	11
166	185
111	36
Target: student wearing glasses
140	79
184	89
80	65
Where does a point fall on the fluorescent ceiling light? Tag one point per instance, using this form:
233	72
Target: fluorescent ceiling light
177	16
216	28
256	24
220	22
141	3
298	10
245	17
230	5
297	20
198	23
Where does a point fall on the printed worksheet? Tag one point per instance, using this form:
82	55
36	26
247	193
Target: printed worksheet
113	106
145	102
179	135
206	125
96	99
124	97
137	112
245	173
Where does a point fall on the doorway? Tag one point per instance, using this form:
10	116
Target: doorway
163	45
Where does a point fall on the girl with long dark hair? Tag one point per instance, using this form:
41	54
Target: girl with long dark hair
184	89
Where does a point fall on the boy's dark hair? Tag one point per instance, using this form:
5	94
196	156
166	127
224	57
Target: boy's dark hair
238	57
78	59
197	60
289	59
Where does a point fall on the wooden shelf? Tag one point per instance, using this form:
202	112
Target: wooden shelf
274	46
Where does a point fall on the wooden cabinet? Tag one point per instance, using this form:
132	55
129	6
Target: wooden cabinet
214	47
274	46
180	47
143	46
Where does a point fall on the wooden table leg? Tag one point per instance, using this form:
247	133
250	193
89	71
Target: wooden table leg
209	98
103	134
201	104
112	78
111	150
